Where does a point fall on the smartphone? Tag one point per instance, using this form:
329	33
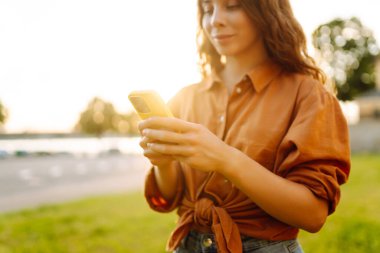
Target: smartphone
148	103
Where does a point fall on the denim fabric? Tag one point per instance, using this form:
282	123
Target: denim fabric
205	243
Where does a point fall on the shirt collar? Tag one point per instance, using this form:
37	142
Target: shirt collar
261	76
211	80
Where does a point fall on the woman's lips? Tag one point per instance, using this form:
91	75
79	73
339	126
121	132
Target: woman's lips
222	37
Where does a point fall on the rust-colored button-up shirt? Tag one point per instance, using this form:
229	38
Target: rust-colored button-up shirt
288	123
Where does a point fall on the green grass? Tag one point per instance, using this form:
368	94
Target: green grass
117	223
124	223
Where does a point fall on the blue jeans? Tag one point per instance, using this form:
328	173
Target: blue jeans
196	242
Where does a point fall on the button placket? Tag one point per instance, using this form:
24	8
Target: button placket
221	116
222	124
221	119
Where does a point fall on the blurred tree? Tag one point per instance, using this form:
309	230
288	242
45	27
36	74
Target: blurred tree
3	114
347	51
101	117
128	123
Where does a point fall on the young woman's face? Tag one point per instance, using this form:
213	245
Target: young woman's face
228	27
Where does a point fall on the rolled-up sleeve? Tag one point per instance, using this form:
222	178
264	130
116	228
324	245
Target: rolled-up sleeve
153	194
315	151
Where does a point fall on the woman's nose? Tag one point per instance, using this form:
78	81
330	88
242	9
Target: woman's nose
218	17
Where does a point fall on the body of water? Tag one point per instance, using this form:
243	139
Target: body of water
75	146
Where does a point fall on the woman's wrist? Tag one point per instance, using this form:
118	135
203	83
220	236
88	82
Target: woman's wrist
167	180
164	166
227	164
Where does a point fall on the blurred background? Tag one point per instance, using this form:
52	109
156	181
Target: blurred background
68	132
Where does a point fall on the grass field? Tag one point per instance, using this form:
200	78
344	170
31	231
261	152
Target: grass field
123	223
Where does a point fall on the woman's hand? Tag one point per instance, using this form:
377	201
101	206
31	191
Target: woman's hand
157	159
187	142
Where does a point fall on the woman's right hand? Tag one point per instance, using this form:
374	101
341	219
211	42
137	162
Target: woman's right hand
157	159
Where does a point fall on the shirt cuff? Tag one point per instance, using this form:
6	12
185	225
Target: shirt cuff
323	180
153	195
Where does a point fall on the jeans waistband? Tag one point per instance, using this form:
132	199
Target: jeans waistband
259	243
205	242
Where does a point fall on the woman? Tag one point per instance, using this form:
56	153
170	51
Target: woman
258	148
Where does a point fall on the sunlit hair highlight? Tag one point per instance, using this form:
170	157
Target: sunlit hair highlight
283	38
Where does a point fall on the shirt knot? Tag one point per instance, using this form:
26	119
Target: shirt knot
203	212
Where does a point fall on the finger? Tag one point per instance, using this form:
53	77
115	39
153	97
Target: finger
173	150
155	155
140	126
171	124
165	136
144	141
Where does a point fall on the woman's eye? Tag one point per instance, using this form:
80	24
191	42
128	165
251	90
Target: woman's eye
233	6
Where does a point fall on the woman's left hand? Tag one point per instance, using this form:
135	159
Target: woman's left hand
188	142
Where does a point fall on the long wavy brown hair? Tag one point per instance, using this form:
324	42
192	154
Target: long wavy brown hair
283	38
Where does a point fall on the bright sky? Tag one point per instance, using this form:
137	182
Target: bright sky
56	55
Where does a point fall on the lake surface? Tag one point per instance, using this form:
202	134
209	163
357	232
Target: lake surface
75	145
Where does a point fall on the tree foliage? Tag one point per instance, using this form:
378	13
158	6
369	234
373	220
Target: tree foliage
100	117
347	51
3	114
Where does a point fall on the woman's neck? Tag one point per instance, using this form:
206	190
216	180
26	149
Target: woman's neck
238	66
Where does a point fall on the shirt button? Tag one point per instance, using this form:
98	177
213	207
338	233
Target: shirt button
207	242
238	90
221	119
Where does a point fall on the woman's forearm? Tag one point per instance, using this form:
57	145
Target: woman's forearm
167	180
287	201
